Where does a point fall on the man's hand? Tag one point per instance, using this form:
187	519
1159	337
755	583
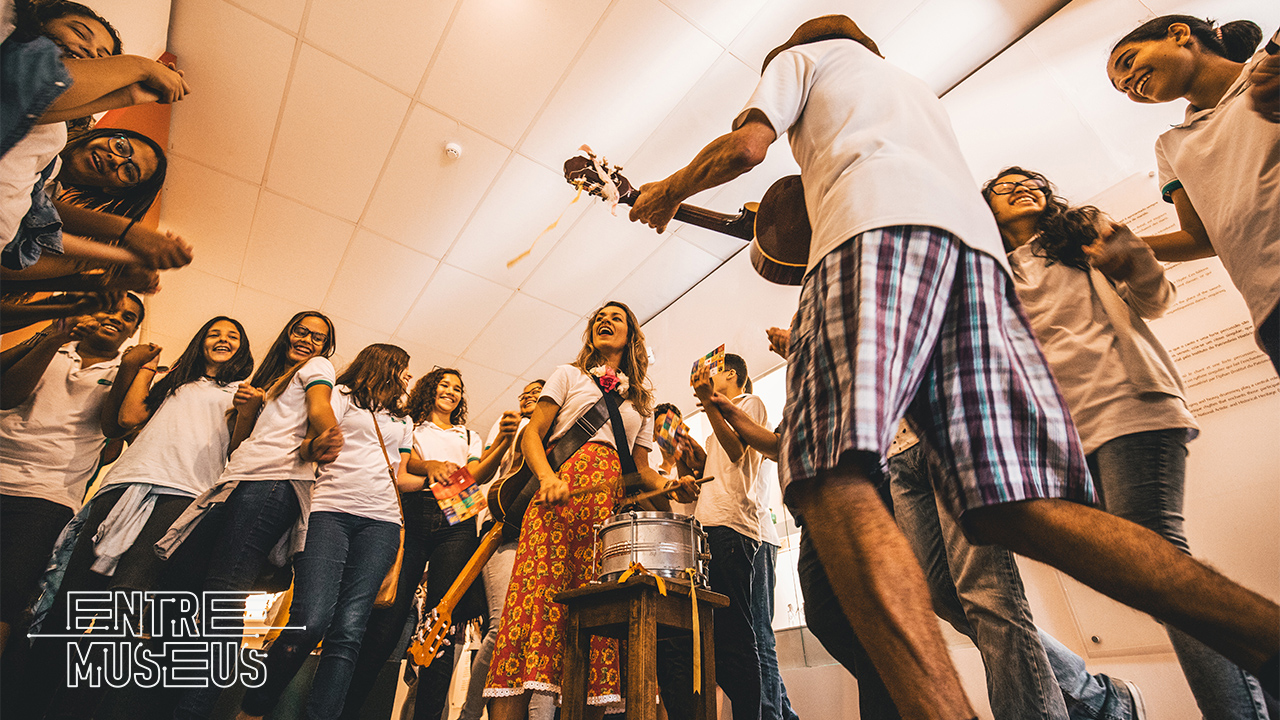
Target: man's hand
656	205
326	446
779	341
552	490
702	385
139	356
509	423
687	489
1265	93
248	400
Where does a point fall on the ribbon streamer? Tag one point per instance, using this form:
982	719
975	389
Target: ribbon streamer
545	230
697	632
639	569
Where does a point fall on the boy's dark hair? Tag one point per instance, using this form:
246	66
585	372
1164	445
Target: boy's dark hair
1235	41
189	366
142	309
738	365
663	408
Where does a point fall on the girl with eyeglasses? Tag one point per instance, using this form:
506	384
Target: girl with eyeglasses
180	451
352	538
1220	168
1087	286
282	425
441	444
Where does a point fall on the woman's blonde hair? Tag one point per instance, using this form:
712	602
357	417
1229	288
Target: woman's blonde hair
635	358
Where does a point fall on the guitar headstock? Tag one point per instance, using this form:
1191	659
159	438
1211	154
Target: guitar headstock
596	176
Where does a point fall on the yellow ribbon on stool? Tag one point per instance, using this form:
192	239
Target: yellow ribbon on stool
639	569
697	633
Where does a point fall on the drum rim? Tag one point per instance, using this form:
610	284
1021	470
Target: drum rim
640	515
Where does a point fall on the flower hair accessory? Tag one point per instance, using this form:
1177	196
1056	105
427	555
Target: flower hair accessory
611	379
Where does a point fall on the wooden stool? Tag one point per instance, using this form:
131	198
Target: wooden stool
636	611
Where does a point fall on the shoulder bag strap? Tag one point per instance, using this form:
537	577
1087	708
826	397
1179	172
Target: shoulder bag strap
391	473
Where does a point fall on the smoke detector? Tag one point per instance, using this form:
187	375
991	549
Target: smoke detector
453	150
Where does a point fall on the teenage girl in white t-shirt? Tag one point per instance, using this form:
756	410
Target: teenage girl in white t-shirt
283	423
178	454
352	538
1221	167
441	445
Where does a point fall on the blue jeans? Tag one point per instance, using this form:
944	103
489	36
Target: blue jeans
1140	477
336	579
774	704
733	557
256	516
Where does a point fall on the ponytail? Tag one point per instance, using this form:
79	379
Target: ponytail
1235	41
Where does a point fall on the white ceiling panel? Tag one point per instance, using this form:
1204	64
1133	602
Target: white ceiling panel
591	259
352	338
294	250
171	346
563	352
285	13
521	332
212	211
263	317
425	196
525	200
227	121
422	358
453	309
377	282
721	19
390	39
483	385
191	297
674	268
777	20
337	127
637	67
490	45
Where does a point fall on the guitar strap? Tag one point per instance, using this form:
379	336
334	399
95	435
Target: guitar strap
619	435
583	429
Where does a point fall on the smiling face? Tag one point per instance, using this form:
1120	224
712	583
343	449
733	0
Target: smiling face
307	338
80	36
116	326
1155	71
529	398
1025	201
609	329
221	343
448	394
101	162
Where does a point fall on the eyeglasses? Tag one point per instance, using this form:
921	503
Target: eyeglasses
120	146
1008	188
532	394
302	333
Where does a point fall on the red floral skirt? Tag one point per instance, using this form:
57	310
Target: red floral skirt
554	554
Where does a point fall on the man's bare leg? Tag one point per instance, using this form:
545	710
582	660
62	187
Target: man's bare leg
1137	567
882	591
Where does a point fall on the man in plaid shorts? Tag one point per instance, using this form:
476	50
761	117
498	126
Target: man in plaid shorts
906	309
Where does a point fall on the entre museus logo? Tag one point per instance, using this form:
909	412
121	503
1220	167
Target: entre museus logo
148	639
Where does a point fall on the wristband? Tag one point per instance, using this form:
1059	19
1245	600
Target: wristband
146	368
127	228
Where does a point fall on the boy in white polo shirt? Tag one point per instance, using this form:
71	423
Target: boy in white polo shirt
729	510
55	416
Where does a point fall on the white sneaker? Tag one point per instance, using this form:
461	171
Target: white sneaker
1139	706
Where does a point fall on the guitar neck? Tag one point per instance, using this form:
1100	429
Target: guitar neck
488	545
741	226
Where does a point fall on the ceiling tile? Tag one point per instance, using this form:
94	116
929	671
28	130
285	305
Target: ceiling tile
522	331
218	48
664	277
423	358
187	299
591	259
264	317
483	385
721	19
212	211
491	44
392	41
524	201
593	106
425	196
337	126
294	250
171	346
377	282
563	352
775	22
453	309
287	13
353	338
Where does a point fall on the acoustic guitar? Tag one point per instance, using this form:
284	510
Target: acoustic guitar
777	227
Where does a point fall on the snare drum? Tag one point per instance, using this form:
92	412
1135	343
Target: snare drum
665	543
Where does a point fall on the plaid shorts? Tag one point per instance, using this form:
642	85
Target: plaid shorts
908	320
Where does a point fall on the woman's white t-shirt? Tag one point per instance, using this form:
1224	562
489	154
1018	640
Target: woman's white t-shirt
575	392
456	444
271	450
357	482
184	444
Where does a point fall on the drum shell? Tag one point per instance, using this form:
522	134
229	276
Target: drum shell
665	543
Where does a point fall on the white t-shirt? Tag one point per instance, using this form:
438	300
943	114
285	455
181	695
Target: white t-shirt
49	445
271	450
1227	158
732	500
457	444
20	170
357	483
767	488
875	147
184	444
575	392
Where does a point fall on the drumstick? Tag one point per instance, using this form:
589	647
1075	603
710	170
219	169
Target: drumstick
634	498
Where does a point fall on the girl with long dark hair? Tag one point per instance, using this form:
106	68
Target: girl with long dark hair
352	539
1087	286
